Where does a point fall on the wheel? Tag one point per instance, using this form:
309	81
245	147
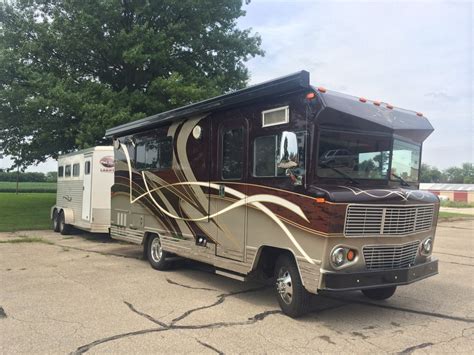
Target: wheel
155	254
55	221
64	228
293	298
381	293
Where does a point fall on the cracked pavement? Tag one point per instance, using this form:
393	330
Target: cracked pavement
87	294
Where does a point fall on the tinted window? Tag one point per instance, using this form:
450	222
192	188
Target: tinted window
358	155
406	160
76	170
87	168
154	154
60	171
67	171
272	158
233	153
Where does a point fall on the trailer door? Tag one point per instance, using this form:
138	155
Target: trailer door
86	189
231	197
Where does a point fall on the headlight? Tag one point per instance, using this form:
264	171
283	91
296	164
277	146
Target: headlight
338	256
427	246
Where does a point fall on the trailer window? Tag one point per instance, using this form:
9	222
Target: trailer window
67	171
60	171
87	168
271	158
154	154
76	170
233	154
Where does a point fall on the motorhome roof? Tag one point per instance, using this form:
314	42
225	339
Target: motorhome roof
288	83
336	105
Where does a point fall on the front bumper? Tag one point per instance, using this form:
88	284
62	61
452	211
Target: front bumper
338	281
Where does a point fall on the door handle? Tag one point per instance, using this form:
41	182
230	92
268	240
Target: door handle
221	190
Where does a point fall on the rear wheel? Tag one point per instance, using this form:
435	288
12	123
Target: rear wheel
293	298
63	228
55	221
155	253
381	293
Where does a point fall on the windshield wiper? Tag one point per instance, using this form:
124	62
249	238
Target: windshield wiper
347	176
402	181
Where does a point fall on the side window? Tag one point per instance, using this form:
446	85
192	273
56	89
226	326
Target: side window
265	157
67	171
154	154
276	153
76	170
87	168
60	171
232	153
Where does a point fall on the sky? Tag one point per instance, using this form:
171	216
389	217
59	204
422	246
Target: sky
416	55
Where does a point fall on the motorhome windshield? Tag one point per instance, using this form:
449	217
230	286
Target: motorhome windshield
359	156
405	161
364	156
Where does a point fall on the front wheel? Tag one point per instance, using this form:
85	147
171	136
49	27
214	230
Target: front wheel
379	294
293	298
155	253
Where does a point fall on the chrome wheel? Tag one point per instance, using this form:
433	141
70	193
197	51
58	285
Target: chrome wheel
156	250
285	285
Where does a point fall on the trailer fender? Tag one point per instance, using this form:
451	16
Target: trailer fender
68	215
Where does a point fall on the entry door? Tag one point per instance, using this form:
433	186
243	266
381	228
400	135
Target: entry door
232	176
86	190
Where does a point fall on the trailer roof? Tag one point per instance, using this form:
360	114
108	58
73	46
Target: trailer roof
288	83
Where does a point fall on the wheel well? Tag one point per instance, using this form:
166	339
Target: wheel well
267	259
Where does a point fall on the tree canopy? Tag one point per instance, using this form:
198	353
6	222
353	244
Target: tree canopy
69	69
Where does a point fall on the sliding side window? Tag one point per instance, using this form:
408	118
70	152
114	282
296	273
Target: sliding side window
154	154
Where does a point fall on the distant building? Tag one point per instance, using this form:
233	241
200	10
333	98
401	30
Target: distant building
452	192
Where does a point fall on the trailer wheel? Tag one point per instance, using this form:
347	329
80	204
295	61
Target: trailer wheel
55	220
64	228
155	253
381	293
293	298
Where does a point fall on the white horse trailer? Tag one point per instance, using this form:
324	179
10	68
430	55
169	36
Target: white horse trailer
83	194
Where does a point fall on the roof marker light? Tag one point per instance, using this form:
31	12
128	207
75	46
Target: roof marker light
320	199
419	114
389	106
377	103
321	89
310	95
362	99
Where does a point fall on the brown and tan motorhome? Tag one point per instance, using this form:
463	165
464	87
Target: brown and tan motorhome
314	188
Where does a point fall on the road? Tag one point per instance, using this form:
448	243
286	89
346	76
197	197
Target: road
80	293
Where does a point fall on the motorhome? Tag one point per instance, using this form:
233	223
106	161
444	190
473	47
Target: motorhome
314	188
85	178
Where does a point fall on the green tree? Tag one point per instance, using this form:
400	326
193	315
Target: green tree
430	173
69	69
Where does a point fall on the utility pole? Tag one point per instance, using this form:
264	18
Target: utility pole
17	178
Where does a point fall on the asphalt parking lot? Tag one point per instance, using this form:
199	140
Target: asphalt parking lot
81	293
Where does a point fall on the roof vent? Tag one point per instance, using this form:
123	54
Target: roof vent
276	116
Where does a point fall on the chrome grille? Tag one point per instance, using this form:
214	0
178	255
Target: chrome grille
363	220
382	257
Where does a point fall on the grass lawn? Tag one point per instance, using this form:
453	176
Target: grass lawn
453	215
25	211
7	186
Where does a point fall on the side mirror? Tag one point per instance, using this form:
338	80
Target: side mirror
288	154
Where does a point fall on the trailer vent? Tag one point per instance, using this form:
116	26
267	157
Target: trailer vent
366	220
387	257
275	116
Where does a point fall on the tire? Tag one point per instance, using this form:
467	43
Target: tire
293	298
155	254
64	228
56	221
379	294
